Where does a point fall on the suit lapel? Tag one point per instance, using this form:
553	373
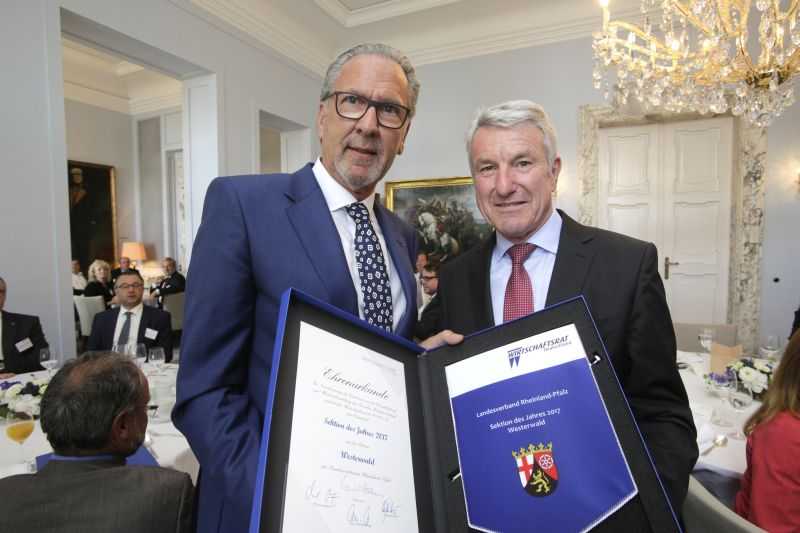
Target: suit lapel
316	231
573	259
400	255
8	334
144	323
479	301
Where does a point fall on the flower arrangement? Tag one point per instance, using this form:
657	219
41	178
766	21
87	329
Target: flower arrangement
756	374
22	398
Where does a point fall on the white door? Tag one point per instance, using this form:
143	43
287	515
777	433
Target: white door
671	184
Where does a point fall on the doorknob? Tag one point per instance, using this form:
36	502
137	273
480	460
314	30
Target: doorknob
667	264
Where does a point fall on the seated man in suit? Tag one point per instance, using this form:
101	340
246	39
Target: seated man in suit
173	282
539	256
94	413
124	267
21	338
78	280
132	322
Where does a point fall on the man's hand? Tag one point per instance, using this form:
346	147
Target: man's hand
440	339
7	375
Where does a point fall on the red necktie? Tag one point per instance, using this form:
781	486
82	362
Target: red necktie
519	291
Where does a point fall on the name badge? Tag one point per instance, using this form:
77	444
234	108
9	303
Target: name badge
151	334
24	344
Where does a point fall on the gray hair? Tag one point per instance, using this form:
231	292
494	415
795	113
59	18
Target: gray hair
510	114
83	399
379	49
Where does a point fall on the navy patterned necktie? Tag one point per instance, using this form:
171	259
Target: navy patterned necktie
371	267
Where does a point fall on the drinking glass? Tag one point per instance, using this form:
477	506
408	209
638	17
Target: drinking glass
770	347
19	427
156	358
47	360
706	337
721	385
740	397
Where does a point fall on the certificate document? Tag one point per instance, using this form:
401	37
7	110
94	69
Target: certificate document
536	446
350	465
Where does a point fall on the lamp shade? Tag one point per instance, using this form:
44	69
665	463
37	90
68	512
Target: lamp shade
134	251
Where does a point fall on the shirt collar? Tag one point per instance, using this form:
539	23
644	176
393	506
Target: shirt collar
336	196
137	310
545	238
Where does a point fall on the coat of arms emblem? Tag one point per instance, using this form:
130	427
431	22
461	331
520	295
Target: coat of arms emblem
537	469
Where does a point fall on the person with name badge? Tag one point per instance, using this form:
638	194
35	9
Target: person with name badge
132	322
21	339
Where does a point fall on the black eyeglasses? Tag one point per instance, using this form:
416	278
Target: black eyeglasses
428	278
126	286
352	106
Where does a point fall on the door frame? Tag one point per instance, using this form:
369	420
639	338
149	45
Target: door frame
747	213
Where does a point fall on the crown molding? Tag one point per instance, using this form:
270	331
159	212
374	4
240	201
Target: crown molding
152	104
501	42
386	10
96	98
266	32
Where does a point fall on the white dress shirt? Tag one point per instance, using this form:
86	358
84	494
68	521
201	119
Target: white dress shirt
78	281
539	265
136	319
337	198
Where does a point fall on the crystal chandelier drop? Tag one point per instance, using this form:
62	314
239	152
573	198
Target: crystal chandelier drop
698	58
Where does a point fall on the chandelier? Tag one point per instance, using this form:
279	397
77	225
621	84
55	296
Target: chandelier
695	55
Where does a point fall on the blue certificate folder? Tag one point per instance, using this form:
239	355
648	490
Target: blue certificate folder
542	444
467	476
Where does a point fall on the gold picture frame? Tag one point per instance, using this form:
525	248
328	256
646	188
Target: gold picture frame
442	210
93	212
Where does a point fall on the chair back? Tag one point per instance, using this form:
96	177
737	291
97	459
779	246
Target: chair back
87	307
686	335
173	304
703	512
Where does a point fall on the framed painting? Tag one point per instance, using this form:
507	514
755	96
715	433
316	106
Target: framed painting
92	212
443	211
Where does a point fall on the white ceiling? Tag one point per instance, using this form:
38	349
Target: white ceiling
311	32
104	80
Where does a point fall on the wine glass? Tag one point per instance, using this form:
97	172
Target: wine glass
721	385
18	428
770	348
156	357
47	360
740	397
706	337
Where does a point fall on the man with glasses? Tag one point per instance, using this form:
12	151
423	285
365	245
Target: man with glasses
428	315
319	230
132	322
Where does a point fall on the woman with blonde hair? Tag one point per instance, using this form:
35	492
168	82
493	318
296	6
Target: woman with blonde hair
769	494
100	281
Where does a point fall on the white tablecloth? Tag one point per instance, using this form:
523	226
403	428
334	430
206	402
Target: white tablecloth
168	445
730	459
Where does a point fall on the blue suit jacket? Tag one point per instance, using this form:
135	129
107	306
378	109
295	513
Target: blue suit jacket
259	236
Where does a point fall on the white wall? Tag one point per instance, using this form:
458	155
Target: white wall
781	250
150	186
557	76
97	135
34	227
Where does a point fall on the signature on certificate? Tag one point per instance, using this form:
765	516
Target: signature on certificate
319	497
389	509
352	484
358	516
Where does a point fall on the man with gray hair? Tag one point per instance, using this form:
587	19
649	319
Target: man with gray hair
263	234
94	413
539	256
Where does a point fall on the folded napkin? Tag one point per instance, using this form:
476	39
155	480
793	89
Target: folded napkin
705	437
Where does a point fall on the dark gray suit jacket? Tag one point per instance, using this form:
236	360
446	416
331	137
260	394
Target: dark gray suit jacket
97	497
619	278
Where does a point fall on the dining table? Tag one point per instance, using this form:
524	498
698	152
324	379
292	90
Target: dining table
165	443
719	439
